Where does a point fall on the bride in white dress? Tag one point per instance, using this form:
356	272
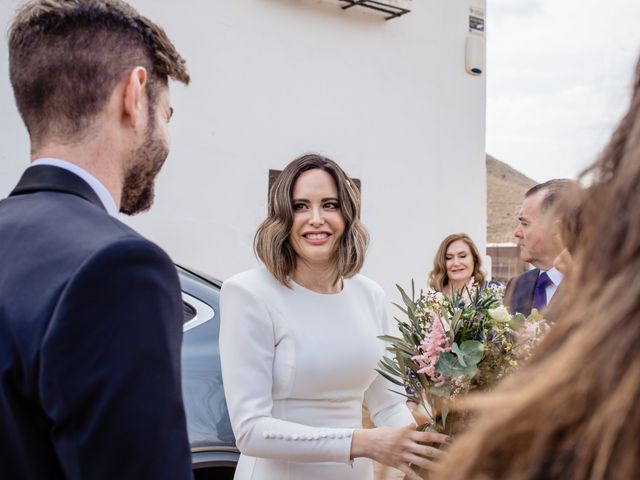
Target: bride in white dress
298	343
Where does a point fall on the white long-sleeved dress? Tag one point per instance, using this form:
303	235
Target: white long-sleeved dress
296	366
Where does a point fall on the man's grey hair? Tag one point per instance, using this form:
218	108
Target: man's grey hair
553	189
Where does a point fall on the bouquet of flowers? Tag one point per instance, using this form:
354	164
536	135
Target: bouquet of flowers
452	345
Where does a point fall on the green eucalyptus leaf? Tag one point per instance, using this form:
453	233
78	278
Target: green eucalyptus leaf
455	349
473	351
449	366
389	377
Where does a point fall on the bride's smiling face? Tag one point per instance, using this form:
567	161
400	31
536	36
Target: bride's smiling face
318	223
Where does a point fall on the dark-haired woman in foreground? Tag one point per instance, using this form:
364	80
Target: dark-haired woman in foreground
298	342
574	411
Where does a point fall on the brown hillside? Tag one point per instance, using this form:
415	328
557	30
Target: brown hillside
505	190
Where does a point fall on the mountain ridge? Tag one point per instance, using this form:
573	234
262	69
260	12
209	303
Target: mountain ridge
506	187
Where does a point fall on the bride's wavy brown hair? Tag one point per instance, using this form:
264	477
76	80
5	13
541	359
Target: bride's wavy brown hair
574	411
271	242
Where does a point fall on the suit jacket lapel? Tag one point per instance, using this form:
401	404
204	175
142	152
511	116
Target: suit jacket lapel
519	296
53	179
529	287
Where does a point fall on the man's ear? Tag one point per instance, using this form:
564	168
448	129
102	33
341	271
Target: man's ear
555	232
134	95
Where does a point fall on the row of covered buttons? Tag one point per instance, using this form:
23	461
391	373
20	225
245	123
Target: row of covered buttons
316	436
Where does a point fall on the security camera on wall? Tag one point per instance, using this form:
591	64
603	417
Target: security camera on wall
475	55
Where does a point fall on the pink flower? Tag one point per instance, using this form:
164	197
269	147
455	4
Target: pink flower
435	342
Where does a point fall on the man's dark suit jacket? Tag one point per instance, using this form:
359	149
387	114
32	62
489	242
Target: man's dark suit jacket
90	336
519	293
519	296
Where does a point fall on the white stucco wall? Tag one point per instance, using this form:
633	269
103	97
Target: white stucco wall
390	101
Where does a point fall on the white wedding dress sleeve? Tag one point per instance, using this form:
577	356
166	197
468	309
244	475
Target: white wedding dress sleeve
296	366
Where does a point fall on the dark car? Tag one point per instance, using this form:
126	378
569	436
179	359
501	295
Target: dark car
213	451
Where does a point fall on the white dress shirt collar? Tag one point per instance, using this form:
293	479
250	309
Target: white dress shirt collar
102	192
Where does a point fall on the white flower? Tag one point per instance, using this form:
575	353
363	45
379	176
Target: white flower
500	314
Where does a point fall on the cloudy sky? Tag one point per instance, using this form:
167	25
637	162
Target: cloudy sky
559	74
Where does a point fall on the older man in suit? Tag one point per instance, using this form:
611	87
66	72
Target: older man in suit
539	245
90	312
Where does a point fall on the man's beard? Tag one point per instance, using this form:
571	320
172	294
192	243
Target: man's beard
138	187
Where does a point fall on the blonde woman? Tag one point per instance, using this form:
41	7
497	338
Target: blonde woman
298	342
457	265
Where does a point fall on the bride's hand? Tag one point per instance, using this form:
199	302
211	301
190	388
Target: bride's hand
420	414
398	447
